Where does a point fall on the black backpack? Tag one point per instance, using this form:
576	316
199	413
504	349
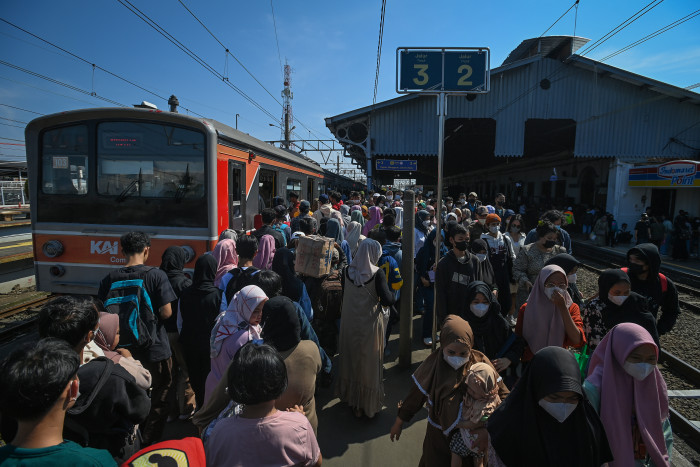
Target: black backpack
128	298
240	279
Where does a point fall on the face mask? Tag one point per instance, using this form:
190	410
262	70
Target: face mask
500	202
493	229
571	278
558	227
481	256
638	371
471	200
549	291
549	243
482	221
426	224
479	309
462	200
461	246
455	361
449	205
515	229
560	411
618	299
635	268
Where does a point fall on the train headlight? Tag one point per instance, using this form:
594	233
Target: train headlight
52	248
57	270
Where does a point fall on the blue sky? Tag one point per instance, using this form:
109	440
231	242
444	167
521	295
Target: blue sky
331	47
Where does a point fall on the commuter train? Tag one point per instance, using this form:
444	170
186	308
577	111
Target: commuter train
95	174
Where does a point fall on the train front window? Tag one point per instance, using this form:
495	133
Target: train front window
65	161
149	160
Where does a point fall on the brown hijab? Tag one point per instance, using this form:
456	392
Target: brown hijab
107	334
482	399
441	384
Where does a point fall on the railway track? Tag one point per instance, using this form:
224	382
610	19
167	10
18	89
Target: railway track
689	428
14	328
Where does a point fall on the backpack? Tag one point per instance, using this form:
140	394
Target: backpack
330	299
128	298
662	280
240	279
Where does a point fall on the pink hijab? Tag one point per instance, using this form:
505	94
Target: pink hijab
542	325
226	259
621	396
266	251
375	217
106	335
236	317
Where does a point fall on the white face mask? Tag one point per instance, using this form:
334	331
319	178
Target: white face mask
479	309
618	299
482	221
571	278
549	291
455	361
560	411
426	224
481	257
493	229
638	371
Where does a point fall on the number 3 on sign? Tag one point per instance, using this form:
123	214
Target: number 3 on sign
422	68
463	79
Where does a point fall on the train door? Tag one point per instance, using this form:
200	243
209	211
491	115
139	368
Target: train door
310	189
267	187
236	195
292	185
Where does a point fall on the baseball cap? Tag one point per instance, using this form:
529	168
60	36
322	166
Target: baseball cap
323	198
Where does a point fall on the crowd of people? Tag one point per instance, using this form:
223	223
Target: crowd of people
528	371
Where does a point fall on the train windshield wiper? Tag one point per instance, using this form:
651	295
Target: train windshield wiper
128	191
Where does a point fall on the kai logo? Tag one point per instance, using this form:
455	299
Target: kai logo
104	247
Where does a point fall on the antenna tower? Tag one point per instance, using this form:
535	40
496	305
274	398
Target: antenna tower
287	96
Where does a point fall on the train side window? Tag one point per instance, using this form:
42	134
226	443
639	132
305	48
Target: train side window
150	160
234	191
293	185
64	163
267	186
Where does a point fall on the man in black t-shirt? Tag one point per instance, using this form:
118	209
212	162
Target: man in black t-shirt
642	230
136	247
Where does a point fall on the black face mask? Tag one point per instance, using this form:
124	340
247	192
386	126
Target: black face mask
471	200
549	243
635	268
461	246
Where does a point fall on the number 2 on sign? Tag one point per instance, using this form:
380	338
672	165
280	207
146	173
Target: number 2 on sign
463	79
422	68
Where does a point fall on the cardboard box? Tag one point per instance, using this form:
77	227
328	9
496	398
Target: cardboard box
314	255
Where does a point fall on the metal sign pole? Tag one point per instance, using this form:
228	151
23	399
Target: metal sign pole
441	101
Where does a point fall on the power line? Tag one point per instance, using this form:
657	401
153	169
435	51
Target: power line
274	23
8	124
11	139
92	64
17	121
23	110
653	34
379	51
563	14
47	90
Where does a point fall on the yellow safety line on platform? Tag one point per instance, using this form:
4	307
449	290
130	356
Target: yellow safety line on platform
16	245
19	257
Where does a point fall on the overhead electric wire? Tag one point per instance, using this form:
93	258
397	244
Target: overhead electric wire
558	19
9	124
653	35
11	139
20	108
92	64
379	51
274	24
17	121
47	90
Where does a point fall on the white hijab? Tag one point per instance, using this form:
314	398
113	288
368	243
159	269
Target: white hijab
237	317
399	217
352	236
364	264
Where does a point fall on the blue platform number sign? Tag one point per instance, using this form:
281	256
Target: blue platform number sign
421	70
465	71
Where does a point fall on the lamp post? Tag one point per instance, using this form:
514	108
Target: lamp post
237	115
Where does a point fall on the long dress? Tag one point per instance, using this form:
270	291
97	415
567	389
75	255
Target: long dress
361	346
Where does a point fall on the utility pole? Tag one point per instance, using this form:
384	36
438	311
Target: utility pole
337	164
287	96
237	115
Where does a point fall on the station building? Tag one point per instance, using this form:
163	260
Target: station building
556	128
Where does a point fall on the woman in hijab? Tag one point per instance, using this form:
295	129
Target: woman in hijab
292	286
492	334
226	259
181	401
362	329
422	229
365	213
399	216
281	329
335	231
554	319
480	249
345	213
627	389
356	216
375	217
440	381
547	421
570	265
199	307
107	338
615	304
354	237
266	252
234	327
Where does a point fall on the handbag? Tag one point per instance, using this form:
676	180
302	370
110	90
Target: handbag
583	358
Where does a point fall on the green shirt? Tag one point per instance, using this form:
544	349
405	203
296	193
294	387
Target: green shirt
66	453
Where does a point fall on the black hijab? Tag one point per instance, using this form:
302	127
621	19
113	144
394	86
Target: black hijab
280	323
524	434
199	304
173	261
568	263
491	331
634	310
422	216
283	264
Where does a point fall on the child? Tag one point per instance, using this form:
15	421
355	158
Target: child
480	400
261	435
